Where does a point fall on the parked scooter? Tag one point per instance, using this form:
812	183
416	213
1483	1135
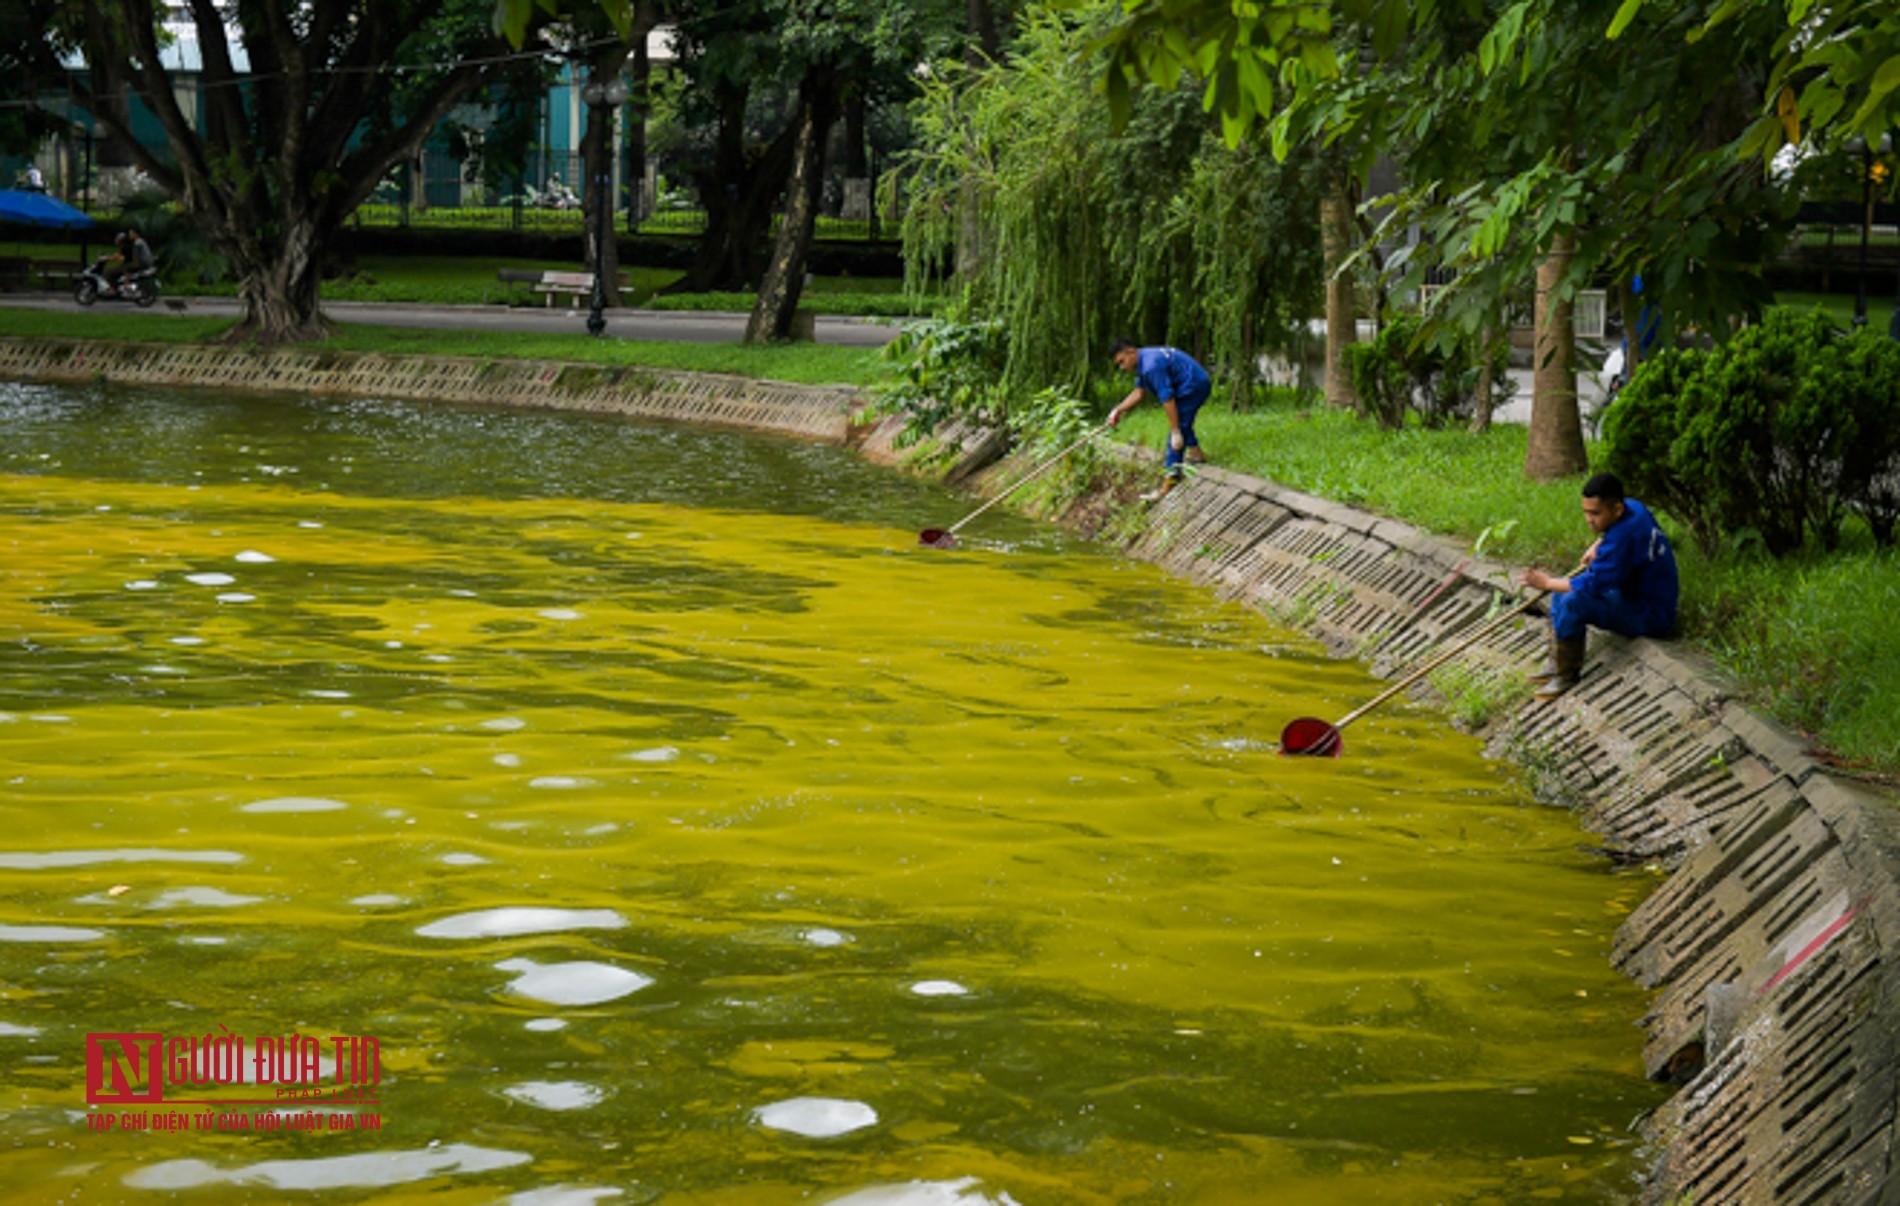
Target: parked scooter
94	285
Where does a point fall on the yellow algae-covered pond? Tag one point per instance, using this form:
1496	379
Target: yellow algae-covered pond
409	803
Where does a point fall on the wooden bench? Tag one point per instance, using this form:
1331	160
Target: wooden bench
57	274
575	286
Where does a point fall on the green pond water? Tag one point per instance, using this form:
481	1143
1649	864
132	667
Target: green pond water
681	832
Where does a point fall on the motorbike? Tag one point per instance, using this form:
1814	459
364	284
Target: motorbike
93	285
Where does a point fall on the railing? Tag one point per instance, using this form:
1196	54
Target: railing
546	220
1589	315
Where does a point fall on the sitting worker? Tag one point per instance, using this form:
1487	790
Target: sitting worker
1628	584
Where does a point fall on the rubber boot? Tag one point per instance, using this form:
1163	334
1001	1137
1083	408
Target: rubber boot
1160	492
1566	663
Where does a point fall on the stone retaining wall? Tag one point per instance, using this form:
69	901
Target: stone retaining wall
1777	1007
805	411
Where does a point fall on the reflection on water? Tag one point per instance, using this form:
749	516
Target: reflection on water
683	832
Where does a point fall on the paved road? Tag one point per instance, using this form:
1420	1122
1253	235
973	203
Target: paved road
662	325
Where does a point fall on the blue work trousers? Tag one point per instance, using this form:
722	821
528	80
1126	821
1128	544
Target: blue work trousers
1572	612
1186	408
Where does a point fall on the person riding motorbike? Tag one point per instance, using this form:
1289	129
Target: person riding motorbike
134	256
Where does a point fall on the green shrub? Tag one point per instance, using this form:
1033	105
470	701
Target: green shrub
947	368
1867	374
1407	367
1640	431
1781	433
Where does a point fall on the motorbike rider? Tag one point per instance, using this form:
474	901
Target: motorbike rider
134	256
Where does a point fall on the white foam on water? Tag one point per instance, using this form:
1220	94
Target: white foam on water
557	1094
362	1170
509	922
961	1192
253	557
939	988
816	1117
211	898
210	579
48	933
582	982
294	804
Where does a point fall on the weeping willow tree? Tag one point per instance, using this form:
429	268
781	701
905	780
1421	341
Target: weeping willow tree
1156	231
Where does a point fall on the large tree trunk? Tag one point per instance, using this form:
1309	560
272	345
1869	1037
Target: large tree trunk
785	274
738	192
1556	434
279	285
983	46
1342	318
272	160
639	102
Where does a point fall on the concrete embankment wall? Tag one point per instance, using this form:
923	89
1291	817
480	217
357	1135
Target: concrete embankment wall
811	412
1773	947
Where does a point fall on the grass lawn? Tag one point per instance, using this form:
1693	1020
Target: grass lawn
1840	306
476	281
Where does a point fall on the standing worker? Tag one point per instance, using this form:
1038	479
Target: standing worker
1628	584
1180	384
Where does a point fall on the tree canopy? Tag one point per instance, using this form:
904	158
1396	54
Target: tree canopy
332	94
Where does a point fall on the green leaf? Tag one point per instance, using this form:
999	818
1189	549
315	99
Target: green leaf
1625	13
1388	33
1887	78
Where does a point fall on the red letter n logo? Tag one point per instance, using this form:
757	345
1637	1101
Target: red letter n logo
124	1069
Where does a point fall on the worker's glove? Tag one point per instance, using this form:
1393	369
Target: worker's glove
1176	440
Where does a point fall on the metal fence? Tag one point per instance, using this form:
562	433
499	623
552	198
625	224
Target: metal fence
438	192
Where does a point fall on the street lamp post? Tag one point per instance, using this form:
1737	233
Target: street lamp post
1857	145
602	99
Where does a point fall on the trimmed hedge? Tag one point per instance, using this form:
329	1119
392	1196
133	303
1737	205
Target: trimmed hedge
1777	435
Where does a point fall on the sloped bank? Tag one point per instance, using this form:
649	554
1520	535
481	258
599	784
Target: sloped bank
1772	945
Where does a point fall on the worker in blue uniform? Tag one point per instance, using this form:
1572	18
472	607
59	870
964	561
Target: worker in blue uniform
1628	584
1180	384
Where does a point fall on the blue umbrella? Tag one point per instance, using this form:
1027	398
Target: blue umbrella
40	209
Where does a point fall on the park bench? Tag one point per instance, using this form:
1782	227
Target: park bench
22	272
577	287
57	274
